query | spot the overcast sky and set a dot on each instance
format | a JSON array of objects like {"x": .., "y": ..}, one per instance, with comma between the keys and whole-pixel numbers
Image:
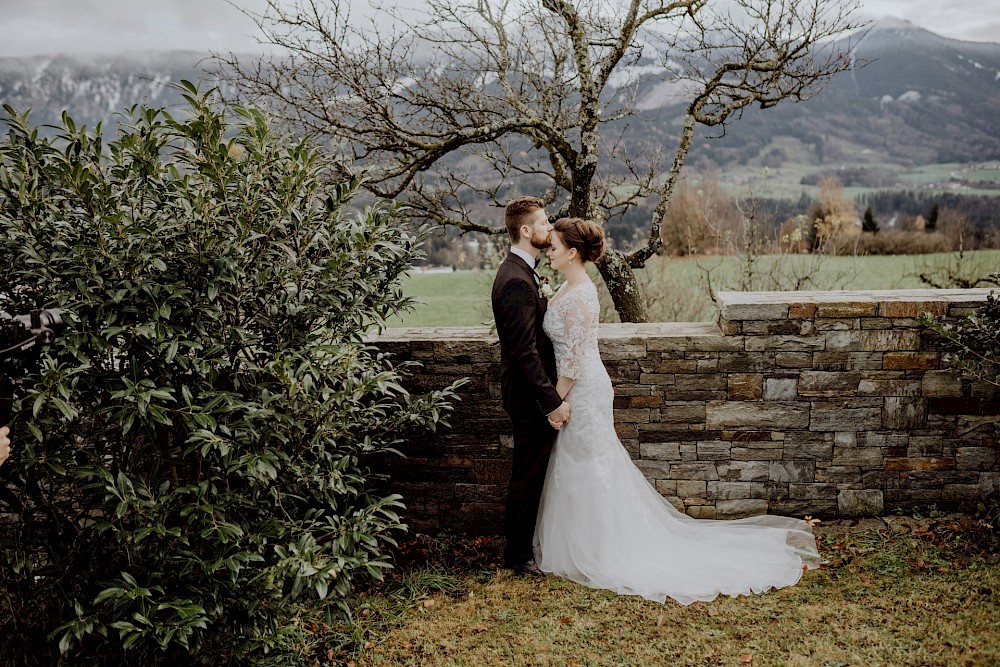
[{"x": 30, "y": 27}]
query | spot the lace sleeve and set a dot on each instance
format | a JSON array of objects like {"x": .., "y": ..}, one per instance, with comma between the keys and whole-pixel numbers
[{"x": 578, "y": 325}]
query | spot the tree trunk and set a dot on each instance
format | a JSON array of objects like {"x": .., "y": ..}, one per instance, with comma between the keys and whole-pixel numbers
[{"x": 621, "y": 283}]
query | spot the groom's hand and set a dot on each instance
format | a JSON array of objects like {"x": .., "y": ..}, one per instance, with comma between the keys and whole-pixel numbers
[{"x": 559, "y": 416}]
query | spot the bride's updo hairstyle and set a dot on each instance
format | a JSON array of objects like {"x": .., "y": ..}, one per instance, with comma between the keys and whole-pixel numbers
[{"x": 586, "y": 236}]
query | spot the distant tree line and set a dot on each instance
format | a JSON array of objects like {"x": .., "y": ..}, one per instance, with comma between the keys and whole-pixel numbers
[
  {"x": 703, "y": 219},
  {"x": 863, "y": 177},
  {"x": 982, "y": 212}
]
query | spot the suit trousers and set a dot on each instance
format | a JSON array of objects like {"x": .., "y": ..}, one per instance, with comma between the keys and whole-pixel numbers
[{"x": 533, "y": 441}]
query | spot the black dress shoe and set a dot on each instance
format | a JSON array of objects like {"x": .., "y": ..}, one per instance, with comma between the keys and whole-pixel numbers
[{"x": 528, "y": 568}]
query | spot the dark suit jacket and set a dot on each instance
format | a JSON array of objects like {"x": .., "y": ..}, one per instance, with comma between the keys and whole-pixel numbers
[{"x": 527, "y": 361}]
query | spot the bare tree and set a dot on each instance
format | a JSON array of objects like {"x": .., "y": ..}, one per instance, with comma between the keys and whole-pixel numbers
[{"x": 457, "y": 106}]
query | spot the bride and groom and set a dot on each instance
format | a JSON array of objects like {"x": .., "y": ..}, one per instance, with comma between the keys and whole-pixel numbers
[{"x": 577, "y": 507}]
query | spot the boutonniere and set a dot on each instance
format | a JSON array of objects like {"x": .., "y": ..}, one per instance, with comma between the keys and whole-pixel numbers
[{"x": 545, "y": 290}]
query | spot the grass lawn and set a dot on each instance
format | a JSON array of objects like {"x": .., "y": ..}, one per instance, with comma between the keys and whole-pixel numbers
[
  {"x": 461, "y": 298},
  {"x": 679, "y": 289},
  {"x": 898, "y": 591}
]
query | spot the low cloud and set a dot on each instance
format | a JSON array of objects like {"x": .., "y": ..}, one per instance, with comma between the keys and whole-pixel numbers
[
  {"x": 89, "y": 26},
  {"x": 31, "y": 27}
]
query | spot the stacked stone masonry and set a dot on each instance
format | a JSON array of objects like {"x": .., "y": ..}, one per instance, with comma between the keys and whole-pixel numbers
[{"x": 794, "y": 403}]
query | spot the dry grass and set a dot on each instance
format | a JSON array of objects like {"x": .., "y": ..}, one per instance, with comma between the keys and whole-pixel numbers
[{"x": 906, "y": 592}]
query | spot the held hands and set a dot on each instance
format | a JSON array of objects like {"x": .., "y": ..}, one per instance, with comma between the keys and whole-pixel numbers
[{"x": 559, "y": 416}]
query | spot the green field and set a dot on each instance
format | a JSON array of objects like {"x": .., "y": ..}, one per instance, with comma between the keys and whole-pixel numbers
[
  {"x": 457, "y": 299},
  {"x": 678, "y": 289},
  {"x": 785, "y": 182}
]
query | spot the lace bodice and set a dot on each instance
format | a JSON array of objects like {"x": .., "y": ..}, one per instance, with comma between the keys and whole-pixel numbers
[{"x": 571, "y": 324}]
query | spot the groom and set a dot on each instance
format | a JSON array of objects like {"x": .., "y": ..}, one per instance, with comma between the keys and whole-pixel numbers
[{"x": 527, "y": 375}]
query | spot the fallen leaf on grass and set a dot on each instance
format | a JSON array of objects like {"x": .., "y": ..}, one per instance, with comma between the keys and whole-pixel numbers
[
  {"x": 662, "y": 618},
  {"x": 479, "y": 628},
  {"x": 428, "y": 603},
  {"x": 713, "y": 612},
  {"x": 832, "y": 564},
  {"x": 405, "y": 644},
  {"x": 811, "y": 521},
  {"x": 564, "y": 621},
  {"x": 369, "y": 645},
  {"x": 746, "y": 659}
]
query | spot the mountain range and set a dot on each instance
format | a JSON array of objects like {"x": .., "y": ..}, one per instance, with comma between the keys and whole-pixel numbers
[
  {"x": 94, "y": 88},
  {"x": 919, "y": 98}
]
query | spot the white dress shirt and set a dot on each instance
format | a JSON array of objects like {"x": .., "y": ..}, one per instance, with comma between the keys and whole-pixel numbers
[{"x": 525, "y": 256}]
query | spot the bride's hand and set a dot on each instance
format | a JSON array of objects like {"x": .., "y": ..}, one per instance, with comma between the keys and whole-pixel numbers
[
  {"x": 559, "y": 416},
  {"x": 4, "y": 445}
]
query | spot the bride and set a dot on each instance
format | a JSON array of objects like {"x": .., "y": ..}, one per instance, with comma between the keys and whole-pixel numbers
[{"x": 601, "y": 523}]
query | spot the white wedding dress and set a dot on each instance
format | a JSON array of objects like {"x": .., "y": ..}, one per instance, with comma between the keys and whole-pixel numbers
[{"x": 602, "y": 524}]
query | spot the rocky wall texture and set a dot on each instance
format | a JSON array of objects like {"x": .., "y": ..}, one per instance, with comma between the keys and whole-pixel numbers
[{"x": 795, "y": 403}]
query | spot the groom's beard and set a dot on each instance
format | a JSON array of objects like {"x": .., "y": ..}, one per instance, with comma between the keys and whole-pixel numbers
[{"x": 541, "y": 242}]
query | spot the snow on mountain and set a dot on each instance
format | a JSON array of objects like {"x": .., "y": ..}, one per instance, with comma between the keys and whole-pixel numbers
[{"x": 914, "y": 97}]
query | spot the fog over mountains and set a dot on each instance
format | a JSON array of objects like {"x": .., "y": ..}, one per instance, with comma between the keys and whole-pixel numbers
[
  {"x": 94, "y": 88},
  {"x": 921, "y": 98}
]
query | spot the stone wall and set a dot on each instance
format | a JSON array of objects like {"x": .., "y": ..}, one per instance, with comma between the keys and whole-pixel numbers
[{"x": 795, "y": 403}]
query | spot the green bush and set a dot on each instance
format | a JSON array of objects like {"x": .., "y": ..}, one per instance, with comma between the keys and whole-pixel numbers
[
  {"x": 896, "y": 243},
  {"x": 972, "y": 344},
  {"x": 188, "y": 482}
]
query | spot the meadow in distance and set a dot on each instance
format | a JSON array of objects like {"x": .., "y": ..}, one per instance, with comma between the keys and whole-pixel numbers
[{"x": 461, "y": 298}]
